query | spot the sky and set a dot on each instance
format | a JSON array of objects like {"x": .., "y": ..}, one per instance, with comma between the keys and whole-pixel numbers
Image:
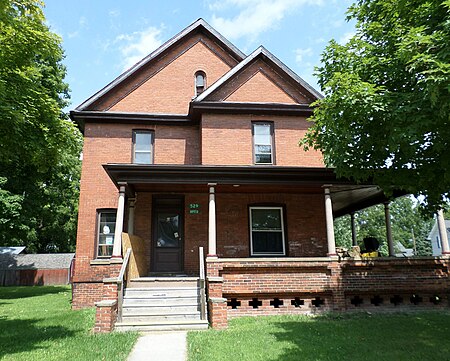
[{"x": 103, "y": 38}]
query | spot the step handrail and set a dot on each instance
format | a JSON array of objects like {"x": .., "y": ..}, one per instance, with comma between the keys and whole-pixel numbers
[
  {"x": 202, "y": 284},
  {"x": 120, "y": 284}
]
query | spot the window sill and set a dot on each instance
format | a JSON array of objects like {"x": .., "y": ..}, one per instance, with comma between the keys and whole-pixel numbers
[{"x": 106, "y": 261}]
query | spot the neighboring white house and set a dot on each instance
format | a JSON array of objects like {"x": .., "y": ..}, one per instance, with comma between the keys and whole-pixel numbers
[{"x": 435, "y": 239}]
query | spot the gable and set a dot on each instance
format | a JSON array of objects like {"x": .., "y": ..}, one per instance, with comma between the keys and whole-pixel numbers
[
  {"x": 217, "y": 52},
  {"x": 244, "y": 86},
  {"x": 260, "y": 89},
  {"x": 170, "y": 90}
]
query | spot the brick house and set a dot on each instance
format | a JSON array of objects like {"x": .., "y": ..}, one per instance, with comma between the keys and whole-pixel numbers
[{"x": 196, "y": 146}]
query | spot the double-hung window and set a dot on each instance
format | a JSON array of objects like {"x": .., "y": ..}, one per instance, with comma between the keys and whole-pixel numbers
[
  {"x": 105, "y": 232},
  {"x": 143, "y": 141},
  {"x": 263, "y": 143},
  {"x": 267, "y": 231}
]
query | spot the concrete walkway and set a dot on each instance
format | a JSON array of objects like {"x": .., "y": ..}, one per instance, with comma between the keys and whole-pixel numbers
[{"x": 160, "y": 346}]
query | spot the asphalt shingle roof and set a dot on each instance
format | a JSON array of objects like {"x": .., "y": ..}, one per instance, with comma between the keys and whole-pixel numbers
[{"x": 35, "y": 261}]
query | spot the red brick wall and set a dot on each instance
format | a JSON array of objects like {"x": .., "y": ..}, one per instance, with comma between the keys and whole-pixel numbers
[
  {"x": 85, "y": 294},
  {"x": 260, "y": 89},
  {"x": 305, "y": 224},
  {"x": 337, "y": 284},
  {"x": 227, "y": 140},
  {"x": 112, "y": 143},
  {"x": 174, "y": 82},
  {"x": 105, "y": 317},
  {"x": 173, "y": 75},
  {"x": 244, "y": 86}
]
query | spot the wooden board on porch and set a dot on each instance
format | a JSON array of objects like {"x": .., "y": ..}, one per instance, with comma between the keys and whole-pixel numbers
[{"x": 138, "y": 264}]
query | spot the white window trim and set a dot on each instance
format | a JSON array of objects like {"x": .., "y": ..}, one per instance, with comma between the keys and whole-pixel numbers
[
  {"x": 282, "y": 233},
  {"x": 272, "y": 141},
  {"x": 99, "y": 216},
  {"x": 150, "y": 151}
]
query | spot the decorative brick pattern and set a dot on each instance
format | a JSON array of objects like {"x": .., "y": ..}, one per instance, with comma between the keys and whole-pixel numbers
[{"x": 271, "y": 287}]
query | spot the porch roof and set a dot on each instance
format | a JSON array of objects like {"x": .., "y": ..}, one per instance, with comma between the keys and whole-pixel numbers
[{"x": 347, "y": 196}]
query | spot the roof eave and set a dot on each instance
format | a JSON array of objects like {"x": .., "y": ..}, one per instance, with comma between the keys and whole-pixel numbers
[{"x": 197, "y": 108}]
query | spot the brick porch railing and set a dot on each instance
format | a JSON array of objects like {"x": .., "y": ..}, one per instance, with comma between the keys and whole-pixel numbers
[{"x": 266, "y": 286}]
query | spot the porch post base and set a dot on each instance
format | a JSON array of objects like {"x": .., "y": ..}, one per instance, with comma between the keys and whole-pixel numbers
[
  {"x": 218, "y": 313},
  {"x": 105, "y": 316}
]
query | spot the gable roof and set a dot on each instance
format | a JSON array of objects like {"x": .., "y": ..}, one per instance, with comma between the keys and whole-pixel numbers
[
  {"x": 198, "y": 24},
  {"x": 259, "y": 52}
]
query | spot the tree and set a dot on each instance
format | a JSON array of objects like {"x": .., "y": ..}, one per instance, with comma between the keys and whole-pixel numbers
[
  {"x": 385, "y": 116},
  {"x": 39, "y": 146},
  {"x": 410, "y": 227}
]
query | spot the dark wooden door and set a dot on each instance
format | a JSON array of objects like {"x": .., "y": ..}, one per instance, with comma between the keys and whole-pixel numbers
[{"x": 167, "y": 244}]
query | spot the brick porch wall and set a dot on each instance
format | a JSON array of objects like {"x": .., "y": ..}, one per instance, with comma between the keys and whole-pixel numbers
[
  {"x": 293, "y": 286},
  {"x": 88, "y": 290}
]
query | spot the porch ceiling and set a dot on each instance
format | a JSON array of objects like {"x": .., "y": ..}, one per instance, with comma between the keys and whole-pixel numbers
[{"x": 346, "y": 195}]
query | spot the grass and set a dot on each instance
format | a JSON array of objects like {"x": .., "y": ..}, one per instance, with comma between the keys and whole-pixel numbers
[
  {"x": 417, "y": 336},
  {"x": 37, "y": 323}
]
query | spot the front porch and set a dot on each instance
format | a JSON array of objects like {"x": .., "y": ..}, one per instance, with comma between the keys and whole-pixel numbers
[{"x": 286, "y": 263}]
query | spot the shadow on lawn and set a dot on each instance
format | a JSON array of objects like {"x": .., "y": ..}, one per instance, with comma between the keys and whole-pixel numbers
[
  {"x": 9, "y": 293},
  {"x": 358, "y": 337},
  {"x": 24, "y": 335}
]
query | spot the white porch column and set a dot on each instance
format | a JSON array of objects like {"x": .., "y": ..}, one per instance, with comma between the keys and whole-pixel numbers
[
  {"x": 352, "y": 219},
  {"x": 329, "y": 222},
  {"x": 212, "y": 252},
  {"x": 443, "y": 232},
  {"x": 131, "y": 216},
  {"x": 117, "y": 248},
  {"x": 387, "y": 217}
]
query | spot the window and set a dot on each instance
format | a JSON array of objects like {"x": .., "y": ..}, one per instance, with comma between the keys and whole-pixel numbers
[
  {"x": 200, "y": 82},
  {"x": 106, "y": 228},
  {"x": 143, "y": 146},
  {"x": 438, "y": 242},
  {"x": 263, "y": 143},
  {"x": 266, "y": 231}
]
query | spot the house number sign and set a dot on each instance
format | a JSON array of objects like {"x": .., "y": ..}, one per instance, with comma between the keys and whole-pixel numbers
[{"x": 194, "y": 208}]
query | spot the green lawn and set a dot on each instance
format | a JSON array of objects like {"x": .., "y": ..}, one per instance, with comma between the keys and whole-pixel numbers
[
  {"x": 37, "y": 323},
  {"x": 394, "y": 337}
]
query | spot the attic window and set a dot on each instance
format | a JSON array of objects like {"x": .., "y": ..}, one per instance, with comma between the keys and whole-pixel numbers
[{"x": 200, "y": 82}]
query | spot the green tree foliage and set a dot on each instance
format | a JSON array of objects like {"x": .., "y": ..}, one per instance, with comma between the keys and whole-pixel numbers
[
  {"x": 39, "y": 146},
  {"x": 386, "y": 111},
  {"x": 409, "y": 226}
]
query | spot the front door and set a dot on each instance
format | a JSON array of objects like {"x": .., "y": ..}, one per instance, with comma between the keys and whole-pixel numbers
[{"x": 167, "y": 243}]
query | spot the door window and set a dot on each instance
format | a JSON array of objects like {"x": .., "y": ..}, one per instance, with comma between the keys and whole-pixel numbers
[{"x": 168, "y": 230}]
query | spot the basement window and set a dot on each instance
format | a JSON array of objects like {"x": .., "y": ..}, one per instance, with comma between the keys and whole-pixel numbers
[{"x": 267, "y": 231}]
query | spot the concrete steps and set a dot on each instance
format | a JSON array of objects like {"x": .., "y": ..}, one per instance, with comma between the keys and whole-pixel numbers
[
  {"x": 162, "y": 326},
  {"x": 161, "y": 303}
]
